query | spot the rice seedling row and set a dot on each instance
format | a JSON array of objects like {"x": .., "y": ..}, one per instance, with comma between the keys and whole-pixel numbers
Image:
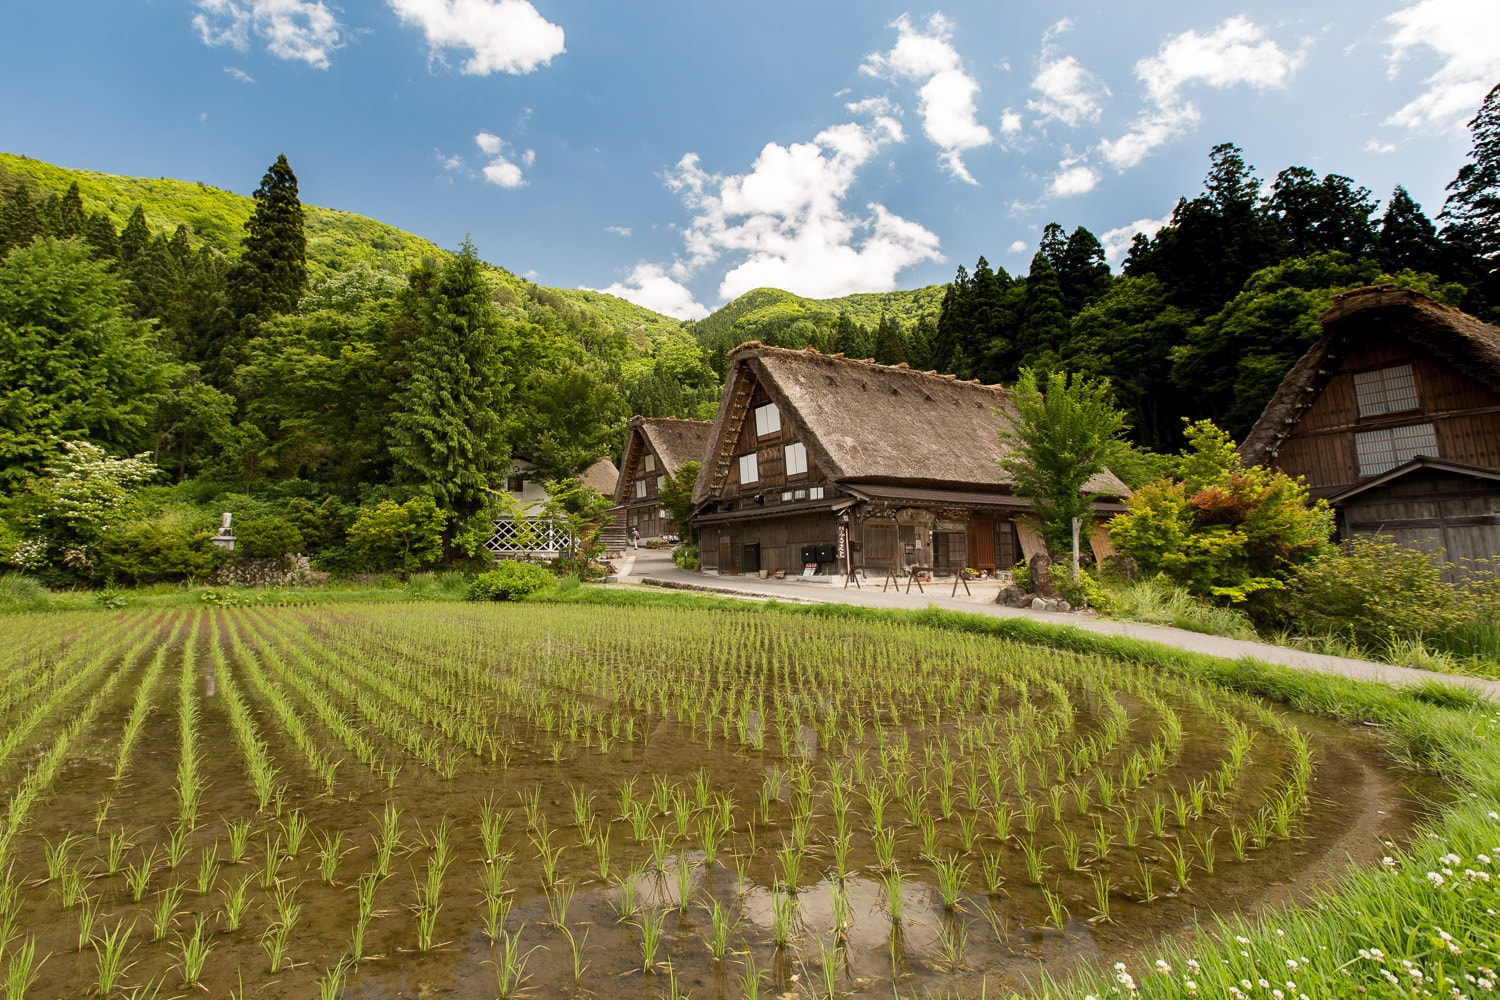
[{"x": 654, "y": 801}]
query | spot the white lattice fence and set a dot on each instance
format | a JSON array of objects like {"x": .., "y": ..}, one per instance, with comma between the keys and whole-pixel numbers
[{"x": 529, "y": 535}]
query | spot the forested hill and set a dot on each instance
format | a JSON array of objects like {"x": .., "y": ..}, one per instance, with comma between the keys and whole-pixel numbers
[
  {"x": 854, "y": 324},
  {"x": 337, "y": 242}
]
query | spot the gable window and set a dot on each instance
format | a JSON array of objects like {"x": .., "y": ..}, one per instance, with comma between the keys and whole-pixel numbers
[
  {"x": 661, "y": 483},
  {"x": 767, "y": 420},
  {"x": 1385, "y": 390},
  {"x": 749, "y": 469},
  {"x": 1383, "y": 450},
  {"x": 515, "y": 483},
  {"x": 650, "y": 463},
  {"x": 640, "y": 487},
  {"x": 796, "y": 459}
]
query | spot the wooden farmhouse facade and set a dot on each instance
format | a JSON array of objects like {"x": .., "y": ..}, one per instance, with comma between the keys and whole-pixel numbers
[
  {"x": 821, "y": 461},
  {"x": 656, "y": 448},
  {"x": 1394, "y": 417}
]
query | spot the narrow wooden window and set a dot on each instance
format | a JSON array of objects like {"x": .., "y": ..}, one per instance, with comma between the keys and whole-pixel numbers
[
  {"x": 767, "y": 420},
  {"x": 1382, "y": 450},
  {"x": 749, "y": 469},
  {"x": 796, "y": 459},
  {"x": 1386, "y": 390}
]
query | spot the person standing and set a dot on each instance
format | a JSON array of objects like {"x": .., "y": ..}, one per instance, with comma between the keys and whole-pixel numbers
[{"x": 635, "y": 537}]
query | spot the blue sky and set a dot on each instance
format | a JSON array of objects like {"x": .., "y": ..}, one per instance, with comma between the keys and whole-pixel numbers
[{"x": 681, "y": 153}]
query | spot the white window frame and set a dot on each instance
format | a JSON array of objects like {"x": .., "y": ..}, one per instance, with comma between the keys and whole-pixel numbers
[
  {"x": 767, "y": 420},
  {"x": 650, "y": 463},
  {"x": 640, "y": 488},
  {"x": 796, "y": 458},
  {"x": 661, "y": 482},
  {"x": 1392, "y": 389},
  {"x": 816, "y": 493},
  {"x": 1381, "y": 450},
  {"x": 749, "y": 469}
]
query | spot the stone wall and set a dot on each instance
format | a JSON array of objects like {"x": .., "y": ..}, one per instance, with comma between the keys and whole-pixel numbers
[{"x": 291, "y": 571}]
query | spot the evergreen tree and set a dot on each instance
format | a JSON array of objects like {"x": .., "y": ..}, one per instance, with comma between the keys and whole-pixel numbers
[
  {"x": 1054, "y": 245},
  {"x": 1472, "y": 211},
  {"x": 1320, "y": 215},
  {"x": 1084, "y": 273},
  {"x": 952, "y": 324},
  {"x": 99, "y": 233},
  {"x": 66, "y": 217},
  {"x": 890, "y": 346},
  {"x": 135, "y": 236},
  {"x": 919, "y": 345},
  {"x": 271, "y": 275},
  {"x": 1408, "y": 239},
  {"x": 454, "y": 380},
  {"x": 20, "y": 219},
  {"x": 1215, "y": 241},
  {"x": 1044, "y": 326}
]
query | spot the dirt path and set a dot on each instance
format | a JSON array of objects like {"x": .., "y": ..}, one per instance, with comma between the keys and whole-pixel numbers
[{"x": 655, "y": 567}]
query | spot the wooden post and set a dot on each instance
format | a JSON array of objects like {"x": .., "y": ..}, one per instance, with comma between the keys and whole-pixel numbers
[{"x": 1076, "y": 524}]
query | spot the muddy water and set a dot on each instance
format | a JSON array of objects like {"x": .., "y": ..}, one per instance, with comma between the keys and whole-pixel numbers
[{"x": 830, "y": 927}]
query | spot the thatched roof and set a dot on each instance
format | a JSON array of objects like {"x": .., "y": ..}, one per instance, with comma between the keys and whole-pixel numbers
[
  {"x": 674, "y": 441},
  {"x": 602, "y": 476},
  {"x": 1467, "y": 344},
  {"x": 870, "y": 423}
]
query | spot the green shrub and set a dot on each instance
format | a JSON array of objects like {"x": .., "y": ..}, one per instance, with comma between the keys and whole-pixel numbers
[
  {"x": 267, "y": 538},
  {"x": 510, "y": 581},
  {"x": 1381, "y": 596},
  {"x": 686, "y": 556},
  {"x": 404, "y": 537},
  {"x": 140, "y": 552}
]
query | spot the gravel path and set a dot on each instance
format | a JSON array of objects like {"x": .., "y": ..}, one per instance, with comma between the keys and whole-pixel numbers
[{"x": 655, "y": 567}]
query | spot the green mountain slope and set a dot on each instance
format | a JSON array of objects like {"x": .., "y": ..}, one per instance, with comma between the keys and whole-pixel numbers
[
  {"x": 773, "y": 316},
  {"x": 337, "y": 242}
]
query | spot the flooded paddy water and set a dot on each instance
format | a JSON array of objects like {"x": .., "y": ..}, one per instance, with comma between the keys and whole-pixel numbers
[{"x": 487, "y": 801}]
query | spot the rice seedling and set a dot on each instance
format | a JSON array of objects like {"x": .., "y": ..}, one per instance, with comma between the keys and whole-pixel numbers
[
  {"x": 576, "y": 948},
  {"x": 953, "y": 938},
  {"x": 1057, "y": 913},
  {"x": 330, "y": 853},
  {"x": 927, "y": 830},
  {"x": 492, "y": 823},
  {"x": 165, "y": 911},
  {"x": 751, "y": 978},
  {"x": 239, "y": 839},
  {"x": 1036, "y": 861},
  {"x": 1102, "y": 886},
  {"x": 1239, "y": 839},
  {"x": 294, "y": 830},
  {"x": 177, "y": 846},
  {"x": 22, "y": 970},
  {"x": 192, "y": 953},
  {"x": 990, "y": 868},
  {"x": 331, "y": 982},
  {"x": 275, "y": 941},
  {"x": 208, "y": 869},
  {"x": 783, "y": 916},
  {"x": 138, "y": 876},
  {"x": 496, "y": 898},
  {"x": 1205, "y": 848},
  {"x": 720, "y": 929},
  {"x": 235, "y": 902},
  {"x": 114, "y": 854},
  {"x": 1072, "y": 848},
  {"x": 629, "y": 886},
  {"x": 1146, "y": 877},
  {"x": 559, "y": 899},
  {"x": 650, "y": 926},
  {"x": 88, "y": 914},
  {"x": 112, "y": 958},
  {"x": 682, "y": 873},
  {"x": 950, "y": 878}
]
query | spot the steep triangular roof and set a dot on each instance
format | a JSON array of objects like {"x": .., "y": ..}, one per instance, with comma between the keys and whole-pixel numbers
[
  {"x": 674, "y": 441},
  {"x": 602, "y": 476},
  {"x": 1467, "y": 344},
  {"x": 864, "y": 422}
]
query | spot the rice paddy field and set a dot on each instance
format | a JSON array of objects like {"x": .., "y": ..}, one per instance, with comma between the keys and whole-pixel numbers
[{"x": 499, "y": 800}]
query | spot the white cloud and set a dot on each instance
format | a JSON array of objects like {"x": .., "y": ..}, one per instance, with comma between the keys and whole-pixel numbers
[
  {"x": 1236, "y": 52},
  {"x": 1010, "y": 122},
  {"x": 501, "y": 169},
  {"x": 1072, "y": 179},
  {"x": 1116, "y": 242},
  {"x": 785, "y": 225},
  {"x": 239, "y": 74},
  {"x": 650, "y": 286},
  {"x": 1377, "y": 147},
  {"x": 947, "y": 93},
  {"x": 504, "y": 36},
  {"x": 1465, "y": 34},
  {"x": 1070, "y": 93},
  {"x": 618, "y": 230},
  {"x": 291, "y": 29},
  {"x": 454, "y": 162},
  {"x": 1019, "y": 246}
]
